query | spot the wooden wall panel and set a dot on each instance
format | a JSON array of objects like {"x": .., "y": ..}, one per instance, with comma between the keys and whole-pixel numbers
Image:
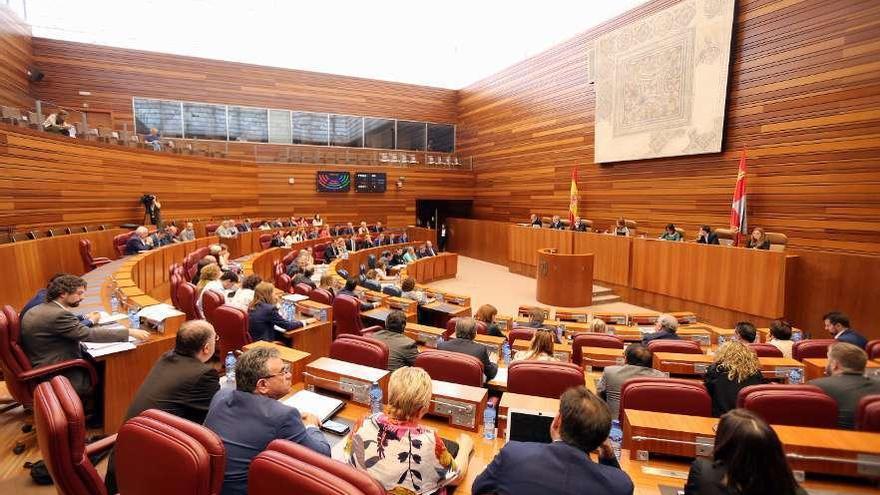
[
  {"x": 15, "y": 57},
  {"x": 481, "y": 239},
  {"x": 803, "y": 98}
]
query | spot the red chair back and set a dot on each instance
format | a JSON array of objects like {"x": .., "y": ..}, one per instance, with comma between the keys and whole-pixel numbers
[
  {"x": 318, "y": 252},
  {"x": 741, "y": 396},
  {"x": 282, "y": 282},
  {"x": 452, "y": 367},
  {"x": 785, "y": 407},
  {"x": 85, "y": 252},
  {"x": 231, "y": 325},
  {"x": 873, "y": 349},
  {"x": 482, "y": 328},
  {"x": 13, "y": 359},
  {"x": 542, "y": 378},
  {"x": 186, "y": 297},
  {"x": 365, "y": 351},
  {"x": 61, "y": 432},
  {"x": 582, "y": 340},
  {"x": 322, "y": 296},
  {"x": 678, "y": 346},
  {"x": 119, "y": 242},
  {"x": 520, "y": 333},
  {"x": 210, "y": 302},
  {"x": 868, "y": 413},
  {"x": 346, "y": 316},
  {"x": 175, "y": 282},
  {"x": 766, "y": 350},
  {"x": 287, "y": 466},
  {"x": 302, "y": 288},
  {"x": 158, "y": 452},
  {"x": 811, "y": 348},
  {"x": 668, "y": 395},
  {"x": 211, "y": 228}
]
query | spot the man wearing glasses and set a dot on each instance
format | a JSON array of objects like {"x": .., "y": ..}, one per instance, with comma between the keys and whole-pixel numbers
[{"x": 250, "y": 416}]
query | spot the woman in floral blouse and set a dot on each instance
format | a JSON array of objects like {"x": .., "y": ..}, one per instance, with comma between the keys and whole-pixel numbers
[{"x": 405, "y": 457}]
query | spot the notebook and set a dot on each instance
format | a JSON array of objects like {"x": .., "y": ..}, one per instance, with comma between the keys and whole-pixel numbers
[{"x": 320, "y": 405}]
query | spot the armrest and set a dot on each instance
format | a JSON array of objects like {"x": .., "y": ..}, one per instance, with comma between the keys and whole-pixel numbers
[
  {"x": 101, "y": 445},
  {"x": 369, "y": 330},
  {"x": 42, "y": 371},
  {"x": 101, "y": 259}
]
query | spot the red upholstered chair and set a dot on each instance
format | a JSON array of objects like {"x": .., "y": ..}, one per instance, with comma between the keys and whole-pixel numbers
[
  {"x": 318, "y": 253},
  {"x": 452, "y": 367},
  {"x": 186, "y": 297},
  {"x": 282, "y": 282},
  {"x": 286, "y": 467},
  {"x": 302, "y": 288},
  {"x": 679, "y": 346},
  {"x": 520, "y": 333},
  {"x": 211, "y": 228},
  {"x": 582, "y": 340},
  {"x": 868, "y": 413},
  {"x": 157, "y": 452},
  {"x": 85, "y": 252},
  {"x": 21, "y": 378},
  {"x": 542, "y": 378},
  {"x": 668, "y": 395},
  {"x": 265, "y": 241},
  {"x": 322, "y": 296},
  {"x": 791, "y": 388},
  {"x": 119, "y": 242},
  {"x": 288, "y": 258},
  {"x": 365, "y": 351},
  {"x": 482, "y": 328},
  {"x": 766, "y": 350},
  {"x": 175, "y": 282},
  {"x": 873, "y": 349},
  {"x": 210, "y": 302},
  {"x": 347, "y": 317},
  {"x": 61, "y": 434},
  {"x": 811, "y": 348},
  {"x": 231, "y": 325},
  {"x": 785, "y": 407}
]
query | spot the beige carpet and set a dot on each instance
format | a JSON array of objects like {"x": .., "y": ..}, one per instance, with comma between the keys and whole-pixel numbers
[{"x": 487, "y": 283}]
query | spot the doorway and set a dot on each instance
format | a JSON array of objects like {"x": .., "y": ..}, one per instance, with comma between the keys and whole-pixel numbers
[{"x": 431, "y": 211}]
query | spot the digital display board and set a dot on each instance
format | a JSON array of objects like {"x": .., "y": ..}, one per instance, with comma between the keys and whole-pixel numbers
[
  {"x": 370, "y": 182},
  {"x": 333, "y": 181}
]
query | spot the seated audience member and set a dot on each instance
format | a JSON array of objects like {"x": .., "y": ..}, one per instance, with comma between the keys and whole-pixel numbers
[
  {"x": 535, "y": 222},
  {"x": 598, "y": 325},
  {"x": 382, "y": 271},
  {"x": 166, "y": 236},
  {"x": 745, "y": 332},
  {"x": 398, "y": 259},
  {"x": 367, "y": 242},
  {"x": 181, "y": 382},
  {"x": 205, "y": 261},
  {"x": 665, "y": 328},
  {"x": 263, "y": 315},
  {"x": 408, "y": 291},
  {"x": 39, "y": 297},
  {"x": 351, "y": 244},
  {"x": 379, "y": 227},
  {"x": 243, "y": 296},
  {"x": 402, "y": 238},
  {"x": 51, "y": 333},
  {"x": 747, "y": 458},
  {"x": 265, "y": 226},
  {"x": 536, "y": 318},
  {"x": 277, "y": 239},
  {"x": 427, "y": 250},
  {"x": 305, "y": 277},
  {"x": 780, "y": 337},
  {"x": 363, "y": 229},
  {"x": 347, "y": 230},
  {"x": 381, "y": 240},
  {"x": 324, "y": 232},
  {"x": 638, "y": 364},
  {"x": 249, "y": 416},
  {"x": 486, "y": 313},
  {"x": 227, "y": 230},
  {"x": 579, "y": 225},
  {"x": 562, "y": 467},
  {"x": 402, "y": 350},
  {"x": 837, "y": 325},
  {"x": 465, "y": 332},
  {"x": 139, "y": 241},
  {"x": 404, "y": 456},
  {"x": 223, "y": 257},
  {"x": 735, "y": 367},
  {"x": 372, "y": 281},
  {"x": 670, "y": 234},
  {"x": 758, "y": 239},
  {"x": 846, "y": 382},
  {"x": 154, "y": 139},
  {"x": 293, "y": 269},
  {"x": 57, "y": 122},
  {"x": 556, "y": 223},
  {"x": 244, "y": 226},
  {"x": 276, "y": 224},
  {"x": 706, "y": 236},
  {"x": 328, "y": 283},
  {"x": 209, "y": 280},
  {"x": 350, "y": 285},
  {"x": 620, "y": 228},
  {"x": 317, "y": 221},
  {"x": 541, "y": 348},
  {"x": 188, "y": 233}
]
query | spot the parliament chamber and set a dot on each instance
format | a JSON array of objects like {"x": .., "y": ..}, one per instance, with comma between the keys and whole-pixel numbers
[{"x": 624, "y": 245}]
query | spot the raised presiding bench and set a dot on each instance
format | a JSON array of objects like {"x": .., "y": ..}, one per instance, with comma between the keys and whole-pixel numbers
[
  {"x": 785, "y": 369},
  {"x": 346, "y": 378},
  {"x": 812, "y": 450},
  {"x": 815, "y": 368},
  {"x": 462, "y": 405},
  {"x": 295, "y": 358}
]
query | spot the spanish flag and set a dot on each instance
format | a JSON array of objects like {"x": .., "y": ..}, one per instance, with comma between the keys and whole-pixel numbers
[
  {"x": 738, "y": 221},
  {"x": 573, "y": 196}
]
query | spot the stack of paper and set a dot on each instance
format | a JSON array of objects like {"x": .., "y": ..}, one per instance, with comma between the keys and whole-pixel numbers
[
  {"x": 107, "y": 318},
  {"x": 159, "y": 312},
  {"x": 98, "y": 349},
  {"x": 294, "y": 297},
  {"x": 309, "y": 402}
]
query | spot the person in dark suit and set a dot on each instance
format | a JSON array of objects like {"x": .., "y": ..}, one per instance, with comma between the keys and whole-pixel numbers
[
  {"x": 442, "y": 237},
  {"x": 735, "y": 367},
  {"x": 564, "y": 466},
  {"x": 40, "y": 297},
  {"x": 51, "y": 333},
  {"x": 263, "y": 315},
  {"x": 846, "y": 382},
  {"x": 347, "y": 230},
  {"x": 837, "y": 325},
  {"x": 181, "y": 382},
  {"x": 465, "y": 331},
  {"x": 556, "y": 223},
  {"x": 428, "y": 251},
  {"x": 665, "y": 328},
  {"x": 305, "y": 277},
  {"x": 747, "y": 458},
  {"x": 351, "y": 244},
  {"x": 139, "y": 241},
  {"x": 402, "y": 350},
  {"x": 534, "y": 221},
  {"x": 249, "y": 416},
  {"x": 706, "y": 236},
  {"x": 579, "y": 225},
  {"x": 372, "y": 281},
  {"x": 350, "y": 285}
]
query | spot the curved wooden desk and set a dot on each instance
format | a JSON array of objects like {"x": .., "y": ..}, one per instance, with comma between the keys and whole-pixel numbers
[{"x": 564, "y": 279}]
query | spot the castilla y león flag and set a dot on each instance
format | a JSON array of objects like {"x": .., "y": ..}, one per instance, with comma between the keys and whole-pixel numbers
[
  {"x": 738, "y": 221},
  {"x": 573, "y": 196}
]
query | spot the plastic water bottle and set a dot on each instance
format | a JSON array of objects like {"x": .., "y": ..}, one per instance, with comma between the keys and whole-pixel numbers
[
  {"x": 505, "y": 353},
  {"x": 795, "y": 377},
  {"x": 375, "y": 398},
  {"x": 721, "y": 340},
  {"x": 489, "y": 422},
  {"x": 133, "y": 320},
  {"x": 560, "y": 331},
  {"x": 796, "y": 336},
  {"x": 616, "y": 437},
  {"x": 114, "y": 303},
  {"x": 230, "y": 367}
]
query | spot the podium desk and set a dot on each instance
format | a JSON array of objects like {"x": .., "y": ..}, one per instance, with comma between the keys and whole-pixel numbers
[
  {"x": 600, "y": 357},
  {"x": 562, "y": 352},
  {"x": 314, "y": 338},
  {"x": 812, "y": 450},
  {"x": 815, "y": 368},
  {"x": 295, "y": 358},
  {"x": 564, "y": 279},
  {"x": 353, "y": 380},
  {"x": 695, "y": 364}
]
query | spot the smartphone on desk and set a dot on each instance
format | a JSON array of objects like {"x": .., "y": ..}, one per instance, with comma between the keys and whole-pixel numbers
[{"x": 334, "y": 427}]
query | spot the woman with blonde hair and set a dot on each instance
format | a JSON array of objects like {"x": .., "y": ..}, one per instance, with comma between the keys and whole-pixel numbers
[
  {"x": 398, "y": 452},
  {"x": 758, "y": 239},
  {"x": 541, "y": 348},
  {"x": 486, "y": 314},
  {"x": 263, "y": 315},
  {"x": 597, "y": 325},
  {"x": 209, "y": 280},
  {"x": 735, "y": 367}
]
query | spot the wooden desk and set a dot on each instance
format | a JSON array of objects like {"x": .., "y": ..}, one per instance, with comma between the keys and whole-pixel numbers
[
  {"x": 408, "y": 306},
  {"x": 296, "y": 358},
  {"x": 572, "y": 316},
  {"x": 444, "y": 311},
  {"x": 600, "y": 357},
  {"x": 561, "y": 351},
  {"x": 461, "y": 405},
  {"x": 814, "y": 450},
  {"x": 696, "y": 364},
  {"x": 452, "y": 298},
  {"x": 442, "y": 266},
  {"x": 524, "y": 243},
  {"x": 815, "y": 368},
  {"x": 564, "y": 279},
  {"x": 353, "y": 380},
  {"x": 377, "y": 316},
  {"x": 314, "y": 339},
  {"x": 519, "y": 401}
]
